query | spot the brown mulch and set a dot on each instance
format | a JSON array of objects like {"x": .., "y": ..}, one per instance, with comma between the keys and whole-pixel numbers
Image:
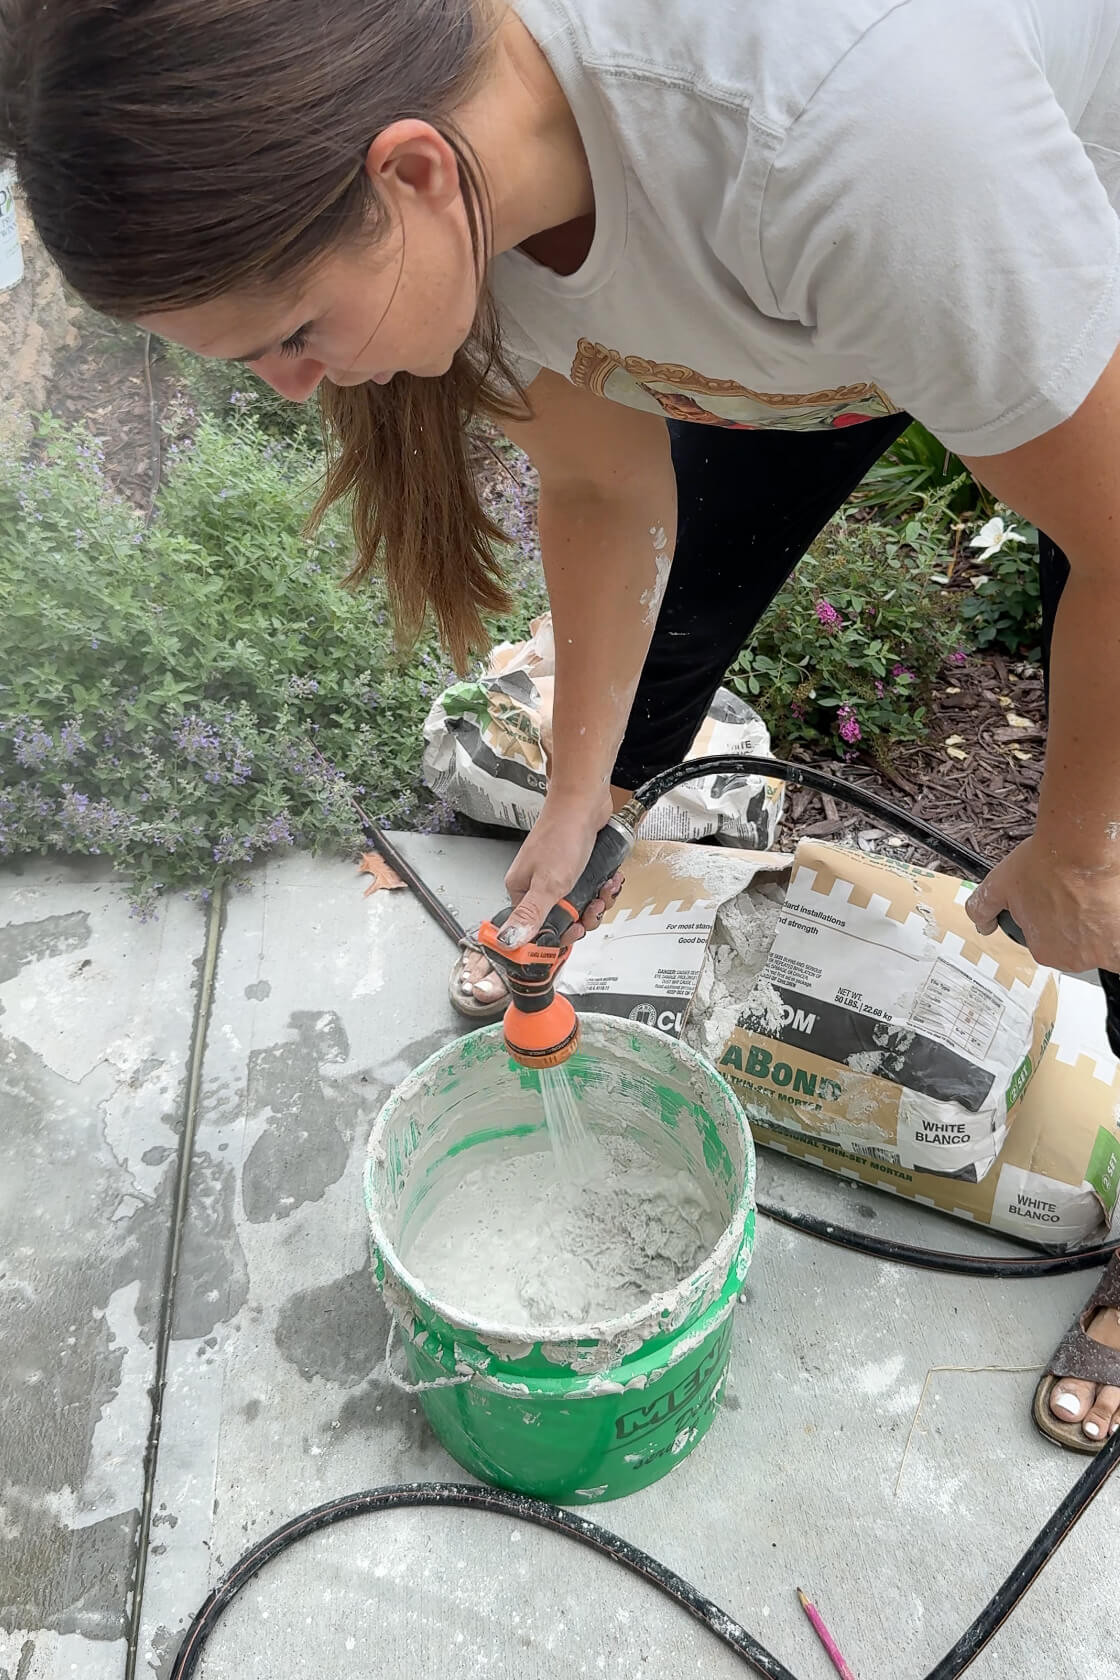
[{"x": 976, "y": 776}]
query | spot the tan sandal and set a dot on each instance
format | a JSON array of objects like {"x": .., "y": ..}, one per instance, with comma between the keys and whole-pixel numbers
[
  {"x": 1081, "y": 1358},
  {"x": 464, "y": 1002}
]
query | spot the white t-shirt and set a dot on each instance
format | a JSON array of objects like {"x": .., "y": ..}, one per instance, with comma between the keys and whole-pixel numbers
[{"x": 812, "y": 212}]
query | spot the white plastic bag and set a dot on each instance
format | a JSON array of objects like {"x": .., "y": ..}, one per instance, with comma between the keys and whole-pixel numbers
[{"x": 489, "y": 744}]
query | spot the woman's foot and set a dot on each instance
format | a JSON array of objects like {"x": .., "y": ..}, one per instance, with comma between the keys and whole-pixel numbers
[
  {"x": 477, "y": 990},
  {"x": 1095, "y": 1407}
]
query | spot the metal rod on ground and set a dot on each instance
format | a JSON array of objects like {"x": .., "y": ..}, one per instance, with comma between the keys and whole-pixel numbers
[
  {"x": 433, "y": 905},
  {"x": 156, "y": 432}
]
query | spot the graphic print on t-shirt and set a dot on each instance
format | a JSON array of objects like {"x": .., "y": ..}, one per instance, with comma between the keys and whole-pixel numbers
[{"x": 683, "y": 394}]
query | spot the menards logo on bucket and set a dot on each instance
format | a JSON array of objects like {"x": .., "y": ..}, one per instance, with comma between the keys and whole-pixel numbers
[{"x": 683, "y": 1402}]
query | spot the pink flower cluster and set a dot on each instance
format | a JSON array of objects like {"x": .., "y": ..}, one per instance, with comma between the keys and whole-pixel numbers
[
  {"x": 828, "y": 615},
  {"x": 849, "y": 728}
]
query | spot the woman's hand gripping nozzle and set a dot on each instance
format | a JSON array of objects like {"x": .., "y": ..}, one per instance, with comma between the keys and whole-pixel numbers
[{"x": 541, "y": 1029}]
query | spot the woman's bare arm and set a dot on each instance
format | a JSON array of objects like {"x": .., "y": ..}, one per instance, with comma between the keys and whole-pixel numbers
[{"x": 608, "y": 528}]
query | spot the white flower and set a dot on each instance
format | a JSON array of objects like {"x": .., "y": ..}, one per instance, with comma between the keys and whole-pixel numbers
[{"x": 992, "y": 538}]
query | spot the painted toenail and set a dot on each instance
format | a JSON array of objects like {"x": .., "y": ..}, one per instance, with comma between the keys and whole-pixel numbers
[
  {"x": 1092, "y": 1430},
  {"x": 1113, "y": 1428},
  {"x": 1068, "y": 1403}
]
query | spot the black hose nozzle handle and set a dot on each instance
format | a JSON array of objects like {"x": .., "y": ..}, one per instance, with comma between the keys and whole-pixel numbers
[
  {"x": 615, "y": 839},
  {"x": 1011, "y": 928},
  {"x": 612, "y": 847}
]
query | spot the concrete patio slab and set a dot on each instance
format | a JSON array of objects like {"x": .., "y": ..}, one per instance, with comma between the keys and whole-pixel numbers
[
  {"x": 96, "y": 1013},
  {"x": 875, "y": 1448}
]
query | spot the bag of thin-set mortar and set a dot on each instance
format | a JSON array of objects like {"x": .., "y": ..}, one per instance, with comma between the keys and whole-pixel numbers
[
  {"x": 873, "y": 1018},
  {"x": 489, "y": 743},
  {"x": 1057, "y": 1179},
  {"x": 648, "y": 958},
  {"x": 690, "y": 918},
  {"x": 848, "y": 1001}
]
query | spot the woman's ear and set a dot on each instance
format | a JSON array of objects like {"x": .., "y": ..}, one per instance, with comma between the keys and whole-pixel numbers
[{"x": 411, "y": 157}]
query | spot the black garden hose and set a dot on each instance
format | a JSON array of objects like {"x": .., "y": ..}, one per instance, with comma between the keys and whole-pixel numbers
[
  {"x": 965, "y": 861},
  {"x": 515, "y": 1506}
]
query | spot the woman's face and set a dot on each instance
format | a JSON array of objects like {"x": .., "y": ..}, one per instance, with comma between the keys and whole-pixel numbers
[{"x": 405, "y": 304}]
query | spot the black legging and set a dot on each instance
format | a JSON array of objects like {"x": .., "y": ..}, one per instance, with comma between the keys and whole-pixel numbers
[{"x": 749, "y": 504}]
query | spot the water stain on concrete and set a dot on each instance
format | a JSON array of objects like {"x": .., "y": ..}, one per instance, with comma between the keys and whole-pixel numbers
[
  {"x": 379, "y": 1409},
  {"x": 394, "y": 1423},
  {"x": 146, "y": 1070},
  {"x": 84, "y": 1231},
  {"x": 363, "y": 1412},
  {"x": 213, "y": 1275},
  {"x": 258, "y": 991},
  {"x": 410, "y": 1057},
  {"x": 23, "y": 1668},
  {"x": 63, "y": 1262},
  {"x": 67, "y": 1580},
  {"x": 309, "y": 1119},
  {"x": 25, "y": 942},
  {"x": 163, "y": 1647},
  {"x": 336, "y": 1331},
  {"x": 222, "y": 1102}
]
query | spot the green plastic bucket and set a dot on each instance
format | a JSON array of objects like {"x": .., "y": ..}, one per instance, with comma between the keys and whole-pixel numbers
[{"x": 572, "y": 1413}]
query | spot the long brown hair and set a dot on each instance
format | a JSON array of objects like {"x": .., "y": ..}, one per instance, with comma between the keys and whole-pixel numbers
[{"x": 175, "y": 150}]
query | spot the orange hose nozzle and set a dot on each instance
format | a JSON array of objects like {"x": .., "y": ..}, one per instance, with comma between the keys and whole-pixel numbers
[{"x": 541, "y": 1038}]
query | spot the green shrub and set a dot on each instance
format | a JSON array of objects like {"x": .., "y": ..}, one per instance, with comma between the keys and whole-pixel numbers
[
  {"x": 846, "y": 653},
  {"x": 1003, "y": 609},
  {"x": 166, "y": 692},
  {"x": 225, "y": 391},
  {"x": 918, "y": 472}
]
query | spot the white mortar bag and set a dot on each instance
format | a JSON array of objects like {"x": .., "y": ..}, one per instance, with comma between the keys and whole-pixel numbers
[
  {"x": 881, "y": 1025},
  {"x": 11, "y": 255},
  {"x": 726, "y": 939},
  {"x": 1056, "y": 1181},
  {"x": 488, "y": 746}
]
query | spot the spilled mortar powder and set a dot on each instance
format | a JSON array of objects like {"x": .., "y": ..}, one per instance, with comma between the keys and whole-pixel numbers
[
  {"x": 731, "y": 991},
  {"x": 514, "y": 1245}
]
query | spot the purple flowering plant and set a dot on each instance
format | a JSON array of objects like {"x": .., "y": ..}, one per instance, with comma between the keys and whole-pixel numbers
[{"x": 161, "y": 685}]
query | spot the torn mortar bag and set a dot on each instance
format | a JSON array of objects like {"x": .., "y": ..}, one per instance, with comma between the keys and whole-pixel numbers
[
  {"x": 1056, "y": 1180},
  {"x": 883, "y": 1024},
  {"x": 851, "y": 1002},
  {"x": 488, "y": 746},
  {"x": 647, "y": 958},
  {"x": 691, "y": 917}
]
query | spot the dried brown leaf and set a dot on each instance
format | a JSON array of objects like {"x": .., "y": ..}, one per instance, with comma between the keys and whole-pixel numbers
[{"x": 385, "y": 877}]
